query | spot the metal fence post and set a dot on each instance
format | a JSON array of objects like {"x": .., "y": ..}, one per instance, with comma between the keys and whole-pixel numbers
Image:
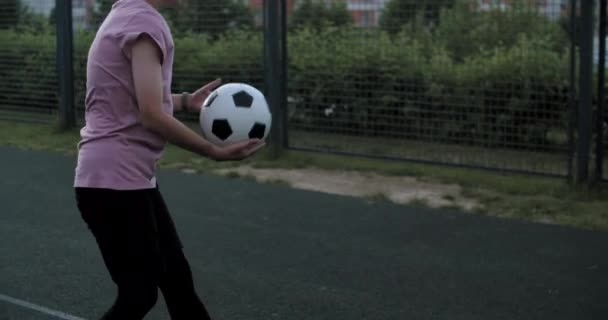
[
  {"x": 584, "y": 125},
  {"x": 284, "y": 76},
  {"x": 272, "y": 68},
  {"x": 65, "y": 69},
  {"x": 572, "y": 103},
  {"x": 599, "y": 121}
]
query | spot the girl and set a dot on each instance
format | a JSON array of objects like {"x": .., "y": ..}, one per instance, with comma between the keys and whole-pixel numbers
[{"x": 129, "y": 119}]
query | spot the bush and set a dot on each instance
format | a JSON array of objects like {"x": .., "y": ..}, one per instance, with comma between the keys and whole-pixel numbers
[
  {"x": 235, "y": 57},
  {"x": 28, "y": 71},
  {"x": 318, "y": 14},
  {"x": 400, "y": 87},
  {"x": 424, "y": 85},
  {"x": 467, "y": 32},
  {"x": 399, "y": 13}
]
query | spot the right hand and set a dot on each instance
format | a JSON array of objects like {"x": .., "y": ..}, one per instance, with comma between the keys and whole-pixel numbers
[{"x": 237, "y": 151}]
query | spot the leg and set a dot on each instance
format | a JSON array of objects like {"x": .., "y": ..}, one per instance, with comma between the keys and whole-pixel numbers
[
  {"x": 177, "y": 287},
  {"x": 176, "y": 281},
  {"x": 125, "y": 230}
]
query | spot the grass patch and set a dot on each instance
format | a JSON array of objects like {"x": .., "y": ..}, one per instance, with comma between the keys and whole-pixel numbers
[
  {"x": 38, "y": 137},
  {"x": 576, "y": 208},
  {"x": 509, "y": 184},
  {"x": 547, "y": 200}
]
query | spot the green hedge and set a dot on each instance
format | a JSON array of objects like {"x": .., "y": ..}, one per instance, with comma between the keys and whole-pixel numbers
[
  {"x": 406, "y": 86},
  {"x": 402, "y": 87},
  {"x": 27, "y": 73}
]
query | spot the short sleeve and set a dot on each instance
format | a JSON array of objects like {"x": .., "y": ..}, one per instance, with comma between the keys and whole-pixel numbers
[{"x": 139, "y": 26}]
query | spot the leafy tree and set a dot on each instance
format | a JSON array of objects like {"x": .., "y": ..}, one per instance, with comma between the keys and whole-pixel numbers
[
  {"x": 211, "y": 17},
  {"x": 402, "y": 12},
  {"x": 102, "y": 10},
  {"x": 16, "y": 15},
  {"x": 196, "y": 16},
  {"x": 465, "y": 31},
  {"x": 317, "y": 14}
]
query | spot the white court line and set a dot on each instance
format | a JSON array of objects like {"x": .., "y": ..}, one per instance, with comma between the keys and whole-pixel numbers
[{"x": 32, "y": 306}]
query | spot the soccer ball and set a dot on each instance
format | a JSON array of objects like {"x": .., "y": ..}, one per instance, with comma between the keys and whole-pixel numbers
[{"x": 235, "y": 112}]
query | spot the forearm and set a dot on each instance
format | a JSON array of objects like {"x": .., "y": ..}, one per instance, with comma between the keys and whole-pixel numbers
[
  {"x": 147, "y": 76},
  {"x": 179, "y": 134}
]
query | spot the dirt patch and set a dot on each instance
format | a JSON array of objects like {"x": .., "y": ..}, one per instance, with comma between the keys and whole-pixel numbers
[{"x": 403, "y": 190}]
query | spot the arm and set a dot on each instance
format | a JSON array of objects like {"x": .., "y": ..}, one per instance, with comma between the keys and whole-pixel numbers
[{"x": 146, "y": 64}]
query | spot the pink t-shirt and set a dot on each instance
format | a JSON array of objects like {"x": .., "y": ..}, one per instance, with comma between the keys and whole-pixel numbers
[{"x": 116, "y": 151}]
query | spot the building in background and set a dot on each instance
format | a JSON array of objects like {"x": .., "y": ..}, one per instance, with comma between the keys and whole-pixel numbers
[
  {"x": 43, "y": 7},
  {"x": 553, "y": 9},
  {"x": 366, "y": 13},
  {"x": 83, "y": 13}
]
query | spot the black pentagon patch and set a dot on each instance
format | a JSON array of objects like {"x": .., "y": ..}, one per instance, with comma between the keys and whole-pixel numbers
[
  {"x": 242, "y": 99},
  {"x": 257, "y": 131},
  {"x": 210, "y": 100},
  {"x": 221, "y": 129}
]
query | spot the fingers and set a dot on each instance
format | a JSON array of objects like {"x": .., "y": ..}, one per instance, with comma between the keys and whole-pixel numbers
[
  {"x": 255, "y": 148},
  {"x": 211, "y": 85},
  {"x": 239, "y": 150},
  {"x": 245, "y": 144},
  {"x": 252, "y": 142},
  {"x": 247, "y": 148}
]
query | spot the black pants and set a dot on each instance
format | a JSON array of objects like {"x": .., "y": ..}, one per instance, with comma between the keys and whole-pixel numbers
[{"x": 142, "y": 252}]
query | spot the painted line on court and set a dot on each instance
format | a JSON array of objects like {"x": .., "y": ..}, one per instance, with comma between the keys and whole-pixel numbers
[{"x": 41, "y": 309}]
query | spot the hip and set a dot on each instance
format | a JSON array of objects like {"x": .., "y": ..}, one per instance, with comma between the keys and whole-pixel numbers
[{"x": 101, "y": 165}]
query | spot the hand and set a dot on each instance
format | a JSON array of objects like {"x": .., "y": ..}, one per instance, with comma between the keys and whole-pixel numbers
[
  {"x": 237, "y": 151},
  {"x": 196, "y": 99}
]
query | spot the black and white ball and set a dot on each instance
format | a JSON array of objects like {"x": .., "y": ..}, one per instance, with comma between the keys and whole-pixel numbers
[{"x": 235, "y": 112}]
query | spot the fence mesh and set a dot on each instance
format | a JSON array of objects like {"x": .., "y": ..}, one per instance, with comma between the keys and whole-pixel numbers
[
  {"x": 28, "y": 77},
  {"x": 480, "y": 83},
  {"x": 475, "y": 83},
  {"x": 599, "y": 149},
  {"x": 213, "y": 39}
]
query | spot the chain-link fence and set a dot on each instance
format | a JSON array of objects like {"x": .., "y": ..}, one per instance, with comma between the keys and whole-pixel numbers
[
  {"x": 28, "y": 76},
  {"x": 214, "y": 39},
  {"x": 474, "y": 83},
  {"x": 601, "y": 123}
]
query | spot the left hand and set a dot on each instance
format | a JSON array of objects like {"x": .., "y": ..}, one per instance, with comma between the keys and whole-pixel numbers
[{"x": 196, "y": 99}]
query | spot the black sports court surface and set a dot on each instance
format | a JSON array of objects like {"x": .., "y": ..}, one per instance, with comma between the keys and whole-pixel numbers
[{"x": 270, "y": 252}]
